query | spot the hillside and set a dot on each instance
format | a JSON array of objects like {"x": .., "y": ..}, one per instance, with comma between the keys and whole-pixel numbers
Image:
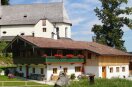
[{"x": 6, "y": 62}]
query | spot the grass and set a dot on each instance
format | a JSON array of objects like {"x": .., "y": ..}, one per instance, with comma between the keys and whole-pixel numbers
[
  {"x": 81, "y": 83},
  {"x": 102, "y": 83},
  {"x": 5, "y": 78}
]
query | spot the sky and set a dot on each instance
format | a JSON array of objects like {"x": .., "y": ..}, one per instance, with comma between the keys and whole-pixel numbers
[{"x": 83, "y": 17}]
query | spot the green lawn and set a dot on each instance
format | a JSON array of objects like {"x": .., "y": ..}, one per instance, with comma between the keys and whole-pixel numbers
[
  {"x": 4, "y": 78},
  {"x": 81, "y": 83},
  {"x": 102, "y": 83}
]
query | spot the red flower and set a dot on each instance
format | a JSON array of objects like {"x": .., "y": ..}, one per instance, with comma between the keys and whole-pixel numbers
[
  {"x": 80, "y": 56},
  {"x": 58, "y": 56},
  {"x": 69, "y": 56}
]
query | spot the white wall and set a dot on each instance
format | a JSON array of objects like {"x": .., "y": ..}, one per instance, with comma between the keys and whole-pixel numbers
[
  {"x": 71, "y": 70},
  {"x": 92, "y": 70},
  {"x": 119, "y": 74},
  {"x": 62, "y": 27},
  {"x": 13, "y": 30},
  {"x": 97, "y": 70},
  {"x": 16, "y": 30}
]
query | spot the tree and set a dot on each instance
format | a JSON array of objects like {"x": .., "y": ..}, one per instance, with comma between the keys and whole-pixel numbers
[
  {"x": 3, "y": 44},
  {"x": 110, "y": 32},
  {"x": 5, "y": 2}
]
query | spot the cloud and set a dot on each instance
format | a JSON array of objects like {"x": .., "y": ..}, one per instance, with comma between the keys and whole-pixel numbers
[
  {"x": 79, "y": 6},
  {"x": 38, "y": 1},
  {"x": 77, "y": 21}
]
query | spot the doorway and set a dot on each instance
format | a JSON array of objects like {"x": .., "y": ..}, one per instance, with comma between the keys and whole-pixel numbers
[{"x": 103, "y": 72}]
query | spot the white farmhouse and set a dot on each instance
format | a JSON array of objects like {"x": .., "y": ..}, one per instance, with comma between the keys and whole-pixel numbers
[{"x": 48, "y": 20}]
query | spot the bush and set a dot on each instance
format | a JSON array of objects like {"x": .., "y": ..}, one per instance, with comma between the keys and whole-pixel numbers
[
  {"x": 73, "y": 76},
  {"x": 1, "y": 70}
]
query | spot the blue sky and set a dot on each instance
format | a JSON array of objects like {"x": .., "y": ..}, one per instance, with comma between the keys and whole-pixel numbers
[{"x": 83, "y": 18}]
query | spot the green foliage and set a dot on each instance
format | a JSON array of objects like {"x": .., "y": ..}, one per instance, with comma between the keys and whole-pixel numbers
[
  {"x": 102, "y": 83},
  {"x": 0, "y": 70},
  {"x": 7, "y": 60},
  {"x": 5, "y": 2},
  {"x": 110, "y": 32},
  {"x": 5, "y": 78},
  {"x": 3, "y": 44},
  {"x": 73, "y": 76}
]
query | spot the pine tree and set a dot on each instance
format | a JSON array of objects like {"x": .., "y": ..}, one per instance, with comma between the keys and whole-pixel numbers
[
  {"x": 5, "y": 2},
  {"x": 110, "y": 32}
]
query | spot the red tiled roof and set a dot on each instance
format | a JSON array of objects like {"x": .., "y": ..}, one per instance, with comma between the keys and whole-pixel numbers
[{"x": 71, "y": 44}]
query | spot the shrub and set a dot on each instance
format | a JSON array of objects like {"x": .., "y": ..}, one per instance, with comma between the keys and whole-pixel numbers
[
  {"x": 73, "y": 76},
  {"x": 1, "y": 70}
]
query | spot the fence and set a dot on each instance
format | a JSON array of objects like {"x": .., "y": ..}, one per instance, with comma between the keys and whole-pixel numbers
[{"x": 20, "y": 84}]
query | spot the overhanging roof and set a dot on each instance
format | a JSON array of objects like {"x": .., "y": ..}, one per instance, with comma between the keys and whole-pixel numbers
[{"x": 71, "y": 44}]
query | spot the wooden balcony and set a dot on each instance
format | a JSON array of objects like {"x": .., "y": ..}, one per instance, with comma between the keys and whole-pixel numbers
[{"x": 48, "y": 60}]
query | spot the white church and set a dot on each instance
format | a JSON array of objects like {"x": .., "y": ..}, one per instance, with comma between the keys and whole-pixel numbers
[{"x": 48, "y": 20}]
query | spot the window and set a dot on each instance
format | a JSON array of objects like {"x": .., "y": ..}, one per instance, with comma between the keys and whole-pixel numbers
[
  {"x": 43, "y": 22},
  {"x": 66, "y": 31},
  {"x": 65, "y": 70},
  {"x": 89, "y": 55},
  {"x": 33, "y": 70},
  {"x": 20, "y": 68},
  {"x": 117, "y": 69},
  {"x": 111, "y": 69},
  {"x": 22, "y": 34},
  {"x": 4, "y": 32},
  {"x": 25, "y": 16},
  {"x": 78, "y": 69},
  {"x": 42, "y": 70},
  {"x": 57, "y": 29},
  {"x": 123, "y": 69},
  {"x": 54, "y": 70},
  {"x": 59, "y": 52},
  {"x": 44, "y": 29},
  {"x": 57, "y": 32}
]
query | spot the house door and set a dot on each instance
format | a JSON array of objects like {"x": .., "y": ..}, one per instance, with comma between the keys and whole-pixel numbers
[
  {"x": 27, "y": 71},
  {"x": 103, "y": 72}
]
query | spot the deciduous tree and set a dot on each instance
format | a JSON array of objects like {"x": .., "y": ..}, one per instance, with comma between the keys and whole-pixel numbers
[
  {"x": 113, "y": 19},
  {"x": 5, "y": 2}
]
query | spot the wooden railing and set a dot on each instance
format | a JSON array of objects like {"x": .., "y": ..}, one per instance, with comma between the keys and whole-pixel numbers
[{"x": 48, "y": 59}]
